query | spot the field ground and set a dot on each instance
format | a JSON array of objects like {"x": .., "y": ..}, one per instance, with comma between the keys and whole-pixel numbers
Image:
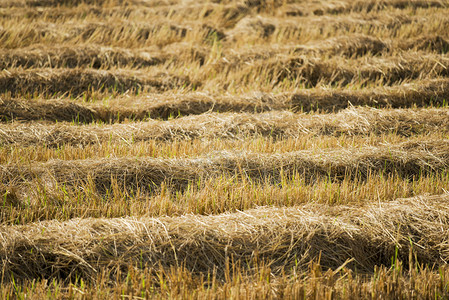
[{"x": 257, "y": 149}]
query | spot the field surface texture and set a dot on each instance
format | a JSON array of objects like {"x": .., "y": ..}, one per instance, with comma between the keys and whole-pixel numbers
[{"x": 224, "y": 149}]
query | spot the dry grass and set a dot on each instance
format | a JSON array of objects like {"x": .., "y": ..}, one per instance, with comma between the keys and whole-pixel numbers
[
  {"x": 432, "y": 92},
  {"x": 70, "y": 57},
  {"x": 314, "y": 72},
  {"x": 424, "y": 93},
  {"x": 383, "y": 24},
  {"x": 255, "y": 149},
  {"x": 45, "y": 110},
  {"x": 96, "y": 57},
  {"x": 277, "y": 125},
  {"x": 419, "y": 283},
  {"x": 356, "y": 45},
  {"x": 41, "y": 201},
  {"x": 344, "y": 7},
  {"x": 284, "y": 240},
  {"x": 119, "y": 34},
  {"x": 40, "y": 3},
  {"x": 134, "y": 175},
  {"x": 106, "y": 57},
  {"x": 240, "y": 26},
  {"x": 76, "y": 82}
]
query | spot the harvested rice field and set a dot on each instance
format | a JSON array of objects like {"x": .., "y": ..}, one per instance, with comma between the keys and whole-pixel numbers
[{"x": 226, "y": 149}]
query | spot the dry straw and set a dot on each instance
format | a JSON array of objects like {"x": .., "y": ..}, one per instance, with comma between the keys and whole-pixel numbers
[
  {"x": 77, "y": 56},
  {"x": 168, "y": 105},
  {"x": 319, "y": 8},
  {"x": 77, "y": 82},
  {"x": 45, "y": 110},
  {"x": 406, "y": 160},
  {"x": 420, "y": 94},
  {"x": 277, "y": 125},
  {"x": 239, "y": 21},
  {"x": 97, "y": 57},
  {"x": 284, "y": 239},
  {"x": 340, "y": 72},
  {"x": 87, "y": 163}
]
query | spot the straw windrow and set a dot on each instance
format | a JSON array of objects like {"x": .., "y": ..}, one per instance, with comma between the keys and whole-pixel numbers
[
  {"x": 282, "y": 238},
  {"x": 407, "y": 160},
  {"x": 77, "y": 82},
  {"x": 420, "y": 94},
  {"x": 277, "y": 125}
]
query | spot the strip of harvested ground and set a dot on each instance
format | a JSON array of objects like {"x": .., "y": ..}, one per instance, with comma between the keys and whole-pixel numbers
[
  {"x": 281, "y": 237},
  {"x": 278, "y": 125},
  {"x": 406, "y": 160},
  {"x": 36, "y": 202},
  {"x": 76, "y": 82}
]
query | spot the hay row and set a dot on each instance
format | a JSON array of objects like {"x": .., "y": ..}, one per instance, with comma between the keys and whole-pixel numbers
[
  {"x": 419, "y": 94},
  {"x": 97, "y": 57},
  {"x": 76, "y": 56},
  {"x": 76, "y": 82},
  {"x": 57, "y": 3},
  {"x": 108, "y": 57},
  {"x": 117, "y": 33},
  {"x": 283, "y": 238},
  {"x": 277, "y": 71},
  {"x": 223, "y": 15},
  {"x": 312, "y": 72},
  {"x": 277, "y": 125},
  {"x": 357, "y": 45},
  {"x": 407, "y": 160},
  {"x": 268, "y": 29},
  {"x": 138, "y": 33},
  {"x": 284, "y": 8},
  {"x": 339, "y": 7},
  {"x": 20, "y": 110},
  {"x": 344, "y": 7}
]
